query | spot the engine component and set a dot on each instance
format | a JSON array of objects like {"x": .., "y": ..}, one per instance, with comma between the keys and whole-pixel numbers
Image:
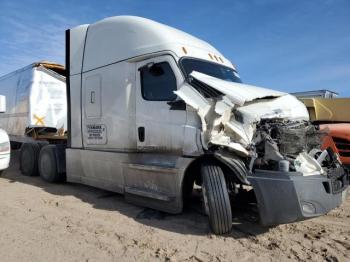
[{"x": 277, "y": 140}]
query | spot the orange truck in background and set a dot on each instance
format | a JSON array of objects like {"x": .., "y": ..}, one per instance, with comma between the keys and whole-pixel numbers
[{"x": 333, "y": 116}]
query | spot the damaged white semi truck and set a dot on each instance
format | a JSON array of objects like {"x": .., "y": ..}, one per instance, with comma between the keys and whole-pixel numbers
[{"x": 153, "y": 111}]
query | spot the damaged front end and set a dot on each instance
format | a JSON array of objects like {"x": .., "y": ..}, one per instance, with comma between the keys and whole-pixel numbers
[
  {"x": 286, "y": 145},
  {"x": 267, "y": 140},
  {"x": 292, "y": 178}
]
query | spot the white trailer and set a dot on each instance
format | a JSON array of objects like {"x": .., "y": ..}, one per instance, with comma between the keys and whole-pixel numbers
[
  {"x": 153, "y": 110},
  {"x": 36, "y": 103}
]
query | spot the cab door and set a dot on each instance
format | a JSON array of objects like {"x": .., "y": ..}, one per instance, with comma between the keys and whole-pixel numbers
[{"x": 160, "y": 115}]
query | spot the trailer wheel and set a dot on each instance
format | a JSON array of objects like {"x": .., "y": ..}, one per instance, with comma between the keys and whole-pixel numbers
[
  {"x": 28, "y": 159},
  {"x": 48, "y": 165},
  {"x": 216, "y": 199}
]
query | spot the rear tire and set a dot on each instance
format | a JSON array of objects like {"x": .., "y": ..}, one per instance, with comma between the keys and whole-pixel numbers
[
  {"x": 28, "y": 159},
  {"x": 15, "y": 145},
  {"x": 48, "y": 165},
  {"x": 216, "y": 199}
]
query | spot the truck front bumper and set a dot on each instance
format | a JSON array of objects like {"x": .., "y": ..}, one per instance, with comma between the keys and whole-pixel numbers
[{"x": 285, "y": 197}]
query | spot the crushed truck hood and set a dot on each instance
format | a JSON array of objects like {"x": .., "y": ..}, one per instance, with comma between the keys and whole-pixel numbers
[
  {"x": 237, "y": 92},
  {"x": 254, "y": 102},
  {"x": 230, "y": 119}
]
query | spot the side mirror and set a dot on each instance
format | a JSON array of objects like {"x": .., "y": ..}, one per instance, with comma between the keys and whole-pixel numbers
[{"x": 2, "y": 104}]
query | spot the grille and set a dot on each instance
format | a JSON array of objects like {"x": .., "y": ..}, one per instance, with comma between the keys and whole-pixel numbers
[
  {"x": 344, "y": 153},
  {"x": 343, "y": 146}
]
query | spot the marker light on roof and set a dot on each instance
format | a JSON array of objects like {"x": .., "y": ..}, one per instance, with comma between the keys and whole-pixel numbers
[
  {"x": 211, "y": 57},
  {"x": 184, "y": 50}
]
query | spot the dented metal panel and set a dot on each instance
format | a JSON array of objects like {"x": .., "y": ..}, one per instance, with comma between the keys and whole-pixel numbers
[
  {"x": 218, "y": 114},
  {"x": 238, "y": 93},
  {"x": 254, "y": 122}
]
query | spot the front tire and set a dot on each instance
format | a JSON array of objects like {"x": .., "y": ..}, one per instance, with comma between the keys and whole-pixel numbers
[{"x": 216, "y": 199}]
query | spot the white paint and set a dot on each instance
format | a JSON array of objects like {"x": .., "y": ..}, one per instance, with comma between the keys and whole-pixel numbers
[
  {"x": 2, "y": 104},
  {"x": 35, "y": 96},
  {"x": 238, "y": 93},
  {"x": 48, "y": 100},
  {"x": 125, "y": 37},
  {"x": 307, "y": 165},
  {"x": 219, "y": 124},
  {"x": 193, "y": 98},
  {"x": 284, "y": 107},
  {"x": 5, "y": 149},
  {"x": 76, "y": 48},
  {"x": 223, "y": 105}
]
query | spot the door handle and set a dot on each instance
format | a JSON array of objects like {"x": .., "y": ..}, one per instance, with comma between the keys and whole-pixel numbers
[
  {"x": 92, "y": 97},
  {"x": 141, "y": 132}
]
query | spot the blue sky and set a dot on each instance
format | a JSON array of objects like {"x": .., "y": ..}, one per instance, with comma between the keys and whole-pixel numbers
[{"x": 285, "y": 45}]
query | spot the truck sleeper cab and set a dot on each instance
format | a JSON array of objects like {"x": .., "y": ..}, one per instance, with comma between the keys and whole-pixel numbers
[{"x": 148, "y": 116}]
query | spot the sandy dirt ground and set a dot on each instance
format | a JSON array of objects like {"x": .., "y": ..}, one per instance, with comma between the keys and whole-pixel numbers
[{"x": 67, "y": 222}]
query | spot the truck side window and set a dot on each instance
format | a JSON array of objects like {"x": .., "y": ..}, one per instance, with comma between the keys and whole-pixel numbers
[{"x": 158, "y": 82}]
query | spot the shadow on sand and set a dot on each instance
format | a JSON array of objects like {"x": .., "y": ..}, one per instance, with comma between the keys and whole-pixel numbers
[{"x": 191, "y": 221}]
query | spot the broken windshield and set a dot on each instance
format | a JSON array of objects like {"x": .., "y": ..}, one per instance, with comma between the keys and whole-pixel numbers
[{"x": 189, "y": 65}]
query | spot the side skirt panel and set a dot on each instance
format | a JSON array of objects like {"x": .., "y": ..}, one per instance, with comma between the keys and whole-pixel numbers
[{"x": 146, "y": 179}]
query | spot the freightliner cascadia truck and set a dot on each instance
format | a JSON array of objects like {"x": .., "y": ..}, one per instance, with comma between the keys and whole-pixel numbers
[{"x": 153, "y": 111}]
